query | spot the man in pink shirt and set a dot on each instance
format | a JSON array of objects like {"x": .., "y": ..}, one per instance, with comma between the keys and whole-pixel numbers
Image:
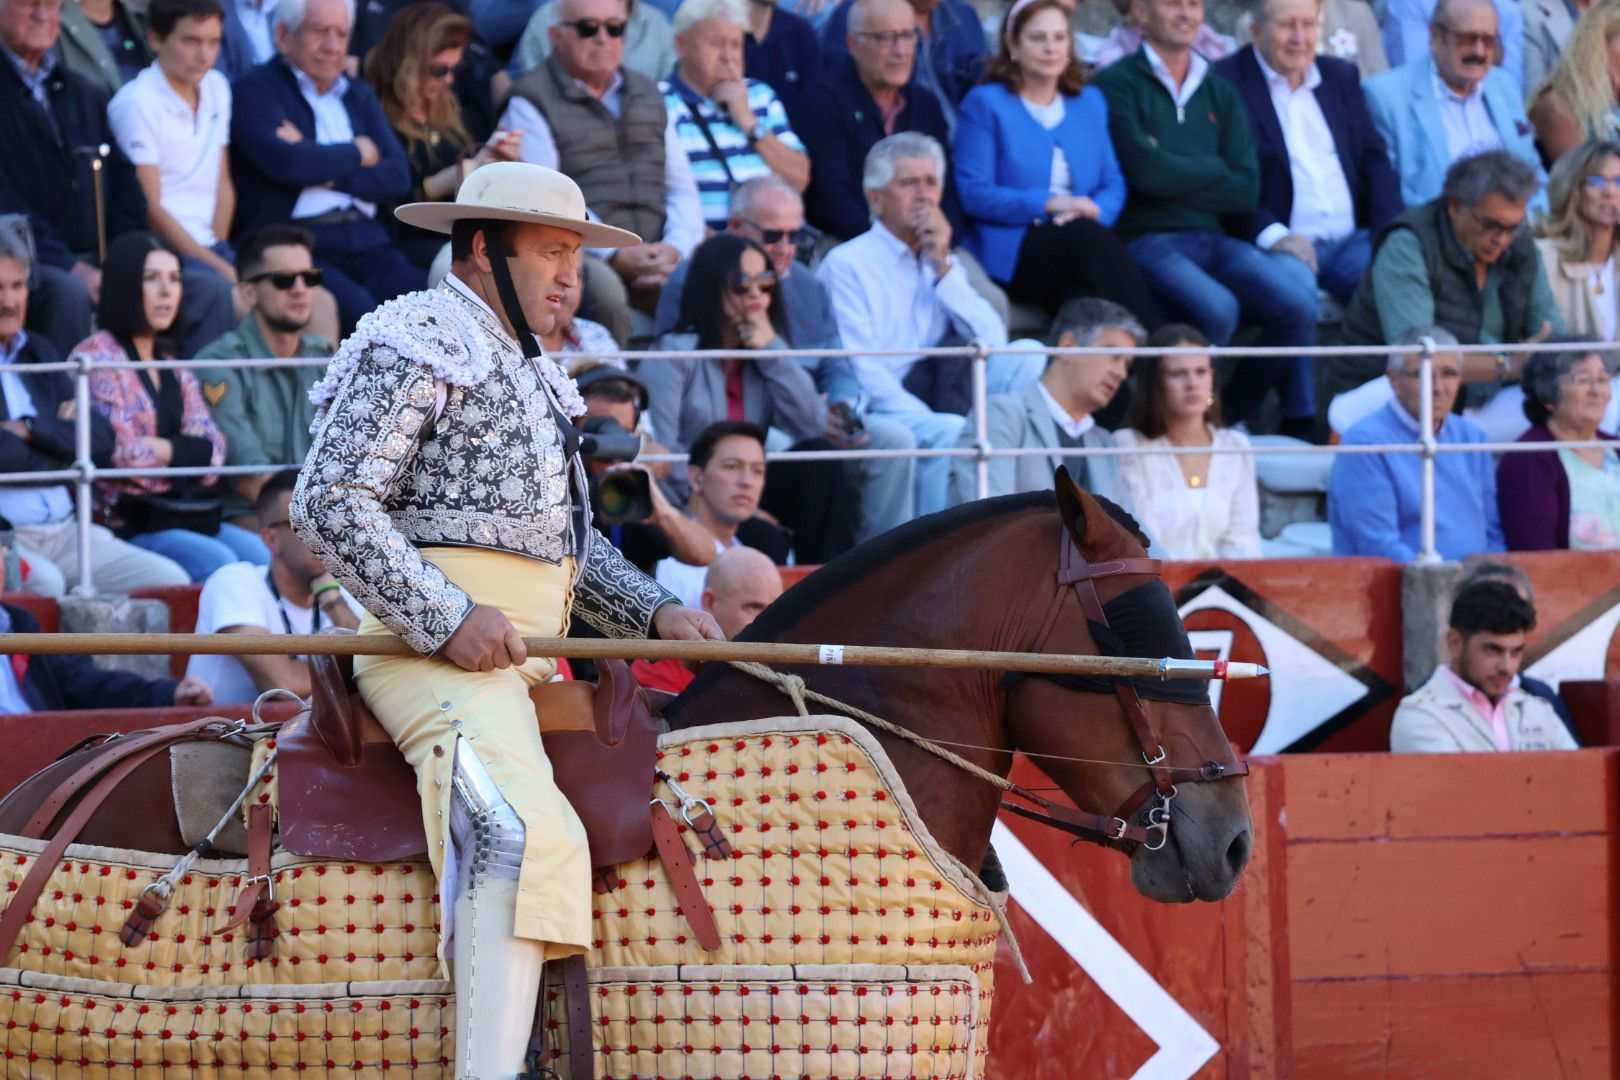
[{"x": 1475, "y": 703}]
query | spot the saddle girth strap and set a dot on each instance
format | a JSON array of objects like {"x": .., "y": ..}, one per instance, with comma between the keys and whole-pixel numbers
[
  {"x": 677, "y": 860},
  {"x": 255, "y": 904}
]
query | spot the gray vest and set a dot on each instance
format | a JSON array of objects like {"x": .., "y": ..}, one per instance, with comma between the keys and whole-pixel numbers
[{"x": 618, "y": 164}]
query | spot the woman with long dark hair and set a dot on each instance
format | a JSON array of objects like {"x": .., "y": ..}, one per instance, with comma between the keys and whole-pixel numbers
[
  {"x": 159, "y": 417},
  {"x": 732, "y": 302}
]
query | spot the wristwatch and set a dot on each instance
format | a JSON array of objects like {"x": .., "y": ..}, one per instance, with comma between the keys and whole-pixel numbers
[{"x": 757, "y": 132}]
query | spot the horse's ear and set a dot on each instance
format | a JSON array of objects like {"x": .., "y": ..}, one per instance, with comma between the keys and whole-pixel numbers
[{"x": 1071, "y": 507}]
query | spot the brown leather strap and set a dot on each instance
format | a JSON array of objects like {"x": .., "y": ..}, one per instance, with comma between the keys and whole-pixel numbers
[
  {"x": 258, "y": 884},
  {"x": 117, "y": 751},
  {"x": 677, "y": 860},
  {"x": 581, "y": 1032},
  {"x": 23, "y": 900}
]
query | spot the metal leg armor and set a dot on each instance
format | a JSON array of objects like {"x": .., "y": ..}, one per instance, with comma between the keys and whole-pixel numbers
[{"x": 497, "y": 974}]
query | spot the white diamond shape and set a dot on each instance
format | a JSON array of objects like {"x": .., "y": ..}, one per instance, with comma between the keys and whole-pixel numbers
[
  {"x": 1582, "y": 655},
  {"x": 1307, "y": 689}
]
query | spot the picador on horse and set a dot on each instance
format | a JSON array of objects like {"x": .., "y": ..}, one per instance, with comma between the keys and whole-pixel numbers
[{"x": 444, "y": 489}]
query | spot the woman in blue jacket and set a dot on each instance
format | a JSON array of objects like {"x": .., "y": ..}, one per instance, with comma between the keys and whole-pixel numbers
[{"x": 1037, "y": 175}]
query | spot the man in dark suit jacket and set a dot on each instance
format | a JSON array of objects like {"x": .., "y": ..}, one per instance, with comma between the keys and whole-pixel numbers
[
  {"x": 1326, "y": 185},
  {"x": 312, "y": 147},
  {"x": 56, "y": 683}
]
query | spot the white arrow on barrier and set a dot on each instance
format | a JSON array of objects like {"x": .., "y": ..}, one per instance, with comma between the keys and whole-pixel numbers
[{"x": 1184, "y": 1045}]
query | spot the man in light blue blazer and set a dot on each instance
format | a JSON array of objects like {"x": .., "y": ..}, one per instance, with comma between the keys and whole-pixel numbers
[{"x": 1451, "y": 103}]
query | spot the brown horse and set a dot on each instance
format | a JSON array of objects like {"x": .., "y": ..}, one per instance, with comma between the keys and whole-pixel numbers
[{"x": 983, "y": 576}]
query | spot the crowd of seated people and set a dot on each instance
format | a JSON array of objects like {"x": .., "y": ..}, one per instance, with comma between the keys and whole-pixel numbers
[{"x": 882, "y": 176}]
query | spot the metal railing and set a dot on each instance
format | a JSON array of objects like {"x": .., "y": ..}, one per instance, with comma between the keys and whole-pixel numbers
[{"x": 84, "y": 473}]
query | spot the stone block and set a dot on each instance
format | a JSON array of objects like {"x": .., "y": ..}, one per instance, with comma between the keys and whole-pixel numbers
[
  {"x": 1426, "y": 590},
  {"x": 111, "y": 614}
]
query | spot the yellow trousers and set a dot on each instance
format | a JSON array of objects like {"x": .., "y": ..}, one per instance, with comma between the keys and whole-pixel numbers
[{"x": 433, "y": 710}]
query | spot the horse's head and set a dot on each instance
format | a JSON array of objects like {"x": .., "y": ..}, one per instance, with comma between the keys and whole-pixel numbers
[{"x": 1209, "y": 833}]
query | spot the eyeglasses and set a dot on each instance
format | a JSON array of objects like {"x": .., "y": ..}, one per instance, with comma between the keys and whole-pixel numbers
[
  {"x": 441, "y": 71},
  {"x": 1599, "y": 181},
  {"x": 1484, "y": 41},
  {"x": 587, "y": 28},
  {"x": 1492, "y": 227},
  {"x": 284, "y": 281},
  {"x": 740, "y": 283},
  {"x": 803, "y": 236},
  {"x": 890, "y": 39}
]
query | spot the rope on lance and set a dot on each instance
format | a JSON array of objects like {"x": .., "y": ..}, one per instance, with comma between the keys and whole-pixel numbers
[{"x": 756, "y": 652}]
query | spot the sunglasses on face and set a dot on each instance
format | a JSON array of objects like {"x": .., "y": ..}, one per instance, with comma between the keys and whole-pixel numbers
[
  {"x": 740, "y": 283},
  {"x": 587, "y": 28},
  {"x": 1598, "y": 181},
  {"x": 440, "y": 71},
  {"x": 1468, "y": 40},
  {"x": 284, "y": 280},
  {"x": 800, "y": 237}
]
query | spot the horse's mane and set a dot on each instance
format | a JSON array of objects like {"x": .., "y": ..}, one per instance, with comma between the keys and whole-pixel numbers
[{"x": 856, "y": 564}]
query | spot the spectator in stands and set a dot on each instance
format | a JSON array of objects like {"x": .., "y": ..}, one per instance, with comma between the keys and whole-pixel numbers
[
  {"x": 732, "y": 301},
  {"x": 1476, "y": 570},
  {"x": 605, "y": 124},
  {"x": 1547, "y": 27},
  {"x": 781, "y": 50},
  {"x": 726, "y": 472},
  {"x": 1450, "y": 103},
  {"x": 1580, "y": 97},
  {"x": 738, "y": 585},
  {"x": 1347, "y": 30},
  {"x": 732, "y": 128},
  {"x": 295, "y": 595},
  {"x": 264, "y": 412},
  {"x": 1375, "y": 501},
  {"x": 59, "y": 683},
  {"x": 316, "y": 149},
  {"x": 1475, "y": 703},
  {"x": 173, "y": 122},
  {"x": 649, "y": 41},
  {"x": 413, "y": 72},
  {"x": 1126, "y": 38},
  {"x": 1032, "y": 146},
  {"x": 38, "y": 433},
  {"x": 950, "y": 48},
  {"x": 1325, "y": 182},
  {"x": 853, "y": 105},
  {"x": 897, "y": 286},
  {"x": 159, "y": 418},
  {"x": 1189, "y": 161},
  {"x": 1562, "y": 498},
  {"x": 1577, "y": 239},
  {"x": 769, "y": 212},
  {"x": 104, "y": 42},
  {"x": 1409, "y": 27},
  {"x": 50, "y": 132},
  {"x": 1464, "y": 262},
  {"x": 1056, "y": 411},
  {"x": 667, "y": 532},
  {"x": 570, "y": 333},
  {"x": 1199, "y": 505},
  {"x": 250, "y": 37}
]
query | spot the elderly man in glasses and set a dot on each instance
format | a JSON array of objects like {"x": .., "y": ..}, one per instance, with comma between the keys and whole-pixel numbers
[
  {"x": 264, "y": 412},
  {"x": 1451, "y": 102},
  {"x": 589, "y": 114},
  {"x": 1465, "y": 262}
]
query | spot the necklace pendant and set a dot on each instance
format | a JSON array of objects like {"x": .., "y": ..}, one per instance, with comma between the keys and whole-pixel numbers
[{"x": 1195, "y": 481}]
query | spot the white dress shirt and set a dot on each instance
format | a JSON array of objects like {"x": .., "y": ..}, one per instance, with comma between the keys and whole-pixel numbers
[
  {"x": 885, "y": 296},
  {"x": 683, "y": 211},
  {"x": 1219, "y": 520},
  {"x": 27, "y": 505},
  {"x": 1323, "y": 208},
  {"x": 1065, "y": 421},
  {"x": 1466, "y": 119},
  {"x": 332, "y": 125},
  {"x": 1189, "y": 86},
  {"x": 256, "y": 17}
]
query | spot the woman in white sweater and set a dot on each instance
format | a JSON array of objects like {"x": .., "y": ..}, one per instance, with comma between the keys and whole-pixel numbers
[{"x": 1200, "y": 505}]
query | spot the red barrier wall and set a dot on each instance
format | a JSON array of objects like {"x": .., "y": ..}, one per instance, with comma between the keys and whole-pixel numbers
[{"x": 1403, "y": 916}]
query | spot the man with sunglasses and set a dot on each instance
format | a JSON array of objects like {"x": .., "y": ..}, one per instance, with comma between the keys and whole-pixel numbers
[
  {"x": 1451, "y": 102},
  {"x": 1407, "y": 25},
  {"x": 649, "y": 43},
  {"x": 265, "y": 412},
  {"x": 1466, "y": 262}
]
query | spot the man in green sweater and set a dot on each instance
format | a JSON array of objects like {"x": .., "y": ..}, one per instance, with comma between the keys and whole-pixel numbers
[
  {"x": 265, "y": 413},
  {"x": 1185, "y": 145}
]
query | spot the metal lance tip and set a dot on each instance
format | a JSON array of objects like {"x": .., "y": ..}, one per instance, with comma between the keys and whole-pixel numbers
[{"x": 1210, "y": 669}]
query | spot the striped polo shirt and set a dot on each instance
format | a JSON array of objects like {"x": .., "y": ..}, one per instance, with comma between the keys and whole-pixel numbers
[{"x": 716, "y": 176}]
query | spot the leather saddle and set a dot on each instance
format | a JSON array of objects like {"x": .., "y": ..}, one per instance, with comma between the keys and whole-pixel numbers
[{"x": 346, "y": 792}]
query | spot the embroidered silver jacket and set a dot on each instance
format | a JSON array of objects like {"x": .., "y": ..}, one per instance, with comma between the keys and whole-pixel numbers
[{"x": 434, "y": 429}]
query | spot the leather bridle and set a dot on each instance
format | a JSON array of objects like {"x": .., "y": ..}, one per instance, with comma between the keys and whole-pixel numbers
[{"x": 1076, "y": 576}]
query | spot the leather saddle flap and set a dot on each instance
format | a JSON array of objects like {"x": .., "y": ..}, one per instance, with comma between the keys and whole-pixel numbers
[{"x": 346, "y": 792}]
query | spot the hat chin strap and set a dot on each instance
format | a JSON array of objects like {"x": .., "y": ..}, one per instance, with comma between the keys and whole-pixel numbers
[{"x": 501, "y": 269}]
